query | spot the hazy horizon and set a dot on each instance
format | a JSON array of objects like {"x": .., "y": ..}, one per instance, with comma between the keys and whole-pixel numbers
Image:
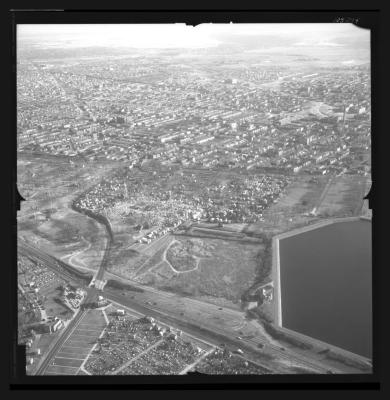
[{"x": 319, "y": 39}]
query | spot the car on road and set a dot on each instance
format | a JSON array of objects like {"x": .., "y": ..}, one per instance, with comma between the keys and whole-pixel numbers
[
  {"x": 239, "y": 351},
  {"x": 220, "y": 308},
  {"x": 239, "y": 337}
]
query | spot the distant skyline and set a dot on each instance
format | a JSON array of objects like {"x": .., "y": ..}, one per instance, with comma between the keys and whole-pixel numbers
[{"x": 247, "y": 36}]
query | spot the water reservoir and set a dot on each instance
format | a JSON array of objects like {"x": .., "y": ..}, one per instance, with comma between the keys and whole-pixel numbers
[{"x": 325, "y": 279}]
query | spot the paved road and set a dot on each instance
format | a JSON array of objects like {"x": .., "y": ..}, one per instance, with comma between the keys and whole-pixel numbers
[
  {"x": 214, "y": 333},
  {"x": 49, "y": 261},
  {"x": 58, "y": 344},
  {"x": 100, "y": 274},
  {"x": 91, "y": 294}
]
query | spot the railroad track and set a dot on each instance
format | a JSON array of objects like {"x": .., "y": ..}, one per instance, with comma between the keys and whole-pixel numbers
[
  {"x": 61, "y": 340},
  {"x": 49, "y": 261},
  {"x": 200, "y": 330}
]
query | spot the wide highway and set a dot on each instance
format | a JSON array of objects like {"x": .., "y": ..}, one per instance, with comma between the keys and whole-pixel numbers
[
  {"x": 218, "y": 336},
  {"x": 212, "y": 333},
  {"x": 50, "y": 261}
]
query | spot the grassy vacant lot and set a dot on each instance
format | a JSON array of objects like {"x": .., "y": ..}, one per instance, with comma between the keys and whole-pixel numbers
[
  {"x": 226, "y": 269},
  {"x": 125, "y": 262},
  {"x": 153, "y": 261},
  {"x": 301, "y": 195},
  {"x": 344, "y": 196},
  {"x": 185, "y": 255},
  {"x": 289, "y": 212},
  {"x": 133, "y": 262}
]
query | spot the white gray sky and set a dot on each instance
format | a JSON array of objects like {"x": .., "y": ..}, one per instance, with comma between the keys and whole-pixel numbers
[{"x": 205, "y": 35}]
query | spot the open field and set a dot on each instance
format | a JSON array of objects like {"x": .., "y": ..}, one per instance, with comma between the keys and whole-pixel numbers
[
  {"x": 299, "y": 198},
  {"x": 300, "y": 195},
  {"x": 344, "y": 196},
  {"x": 77, "y": 239},
  {"x": 211, "y": 267},
  {"x": 134, "y": 260},
  {"x": 185, "y": 255},
  {"x": 328, "y": 196},
  {"x": 49, "y": 185},
  {"x": 125, "y": 261}
]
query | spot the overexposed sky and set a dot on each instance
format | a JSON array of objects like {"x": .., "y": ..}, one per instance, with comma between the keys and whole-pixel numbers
[{"x": 181, "y": 35}]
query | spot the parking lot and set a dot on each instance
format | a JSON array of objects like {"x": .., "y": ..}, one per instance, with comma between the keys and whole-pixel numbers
[{"x": 78, "y": 345}]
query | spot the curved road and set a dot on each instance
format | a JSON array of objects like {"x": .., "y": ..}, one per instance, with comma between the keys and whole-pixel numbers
[{"x": 212, "y": 333}]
